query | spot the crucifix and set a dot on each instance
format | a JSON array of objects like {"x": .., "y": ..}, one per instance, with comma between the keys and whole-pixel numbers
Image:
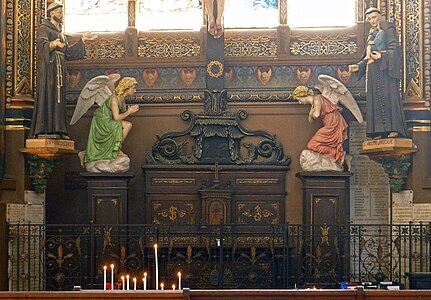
[
  {"x": 216, "y": 169},
  {"x": 215, "y": 59}
]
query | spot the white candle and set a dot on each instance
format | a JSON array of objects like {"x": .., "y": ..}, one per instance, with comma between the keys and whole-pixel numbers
[
  {"x": 162, "y": 285},
  {"x": 145, "y": 281},
  {"x": 128, "y": 281},
  {"x": 179, "y": 280},
  {"x": 134, "y": 283},
  {"x": 104, "y": 277},
  {"x": 173, "y": 287},
  {"x": 122, "y": 281},
  {"x": 112, "y": 276},
  {"x": 157, "y": 266}
]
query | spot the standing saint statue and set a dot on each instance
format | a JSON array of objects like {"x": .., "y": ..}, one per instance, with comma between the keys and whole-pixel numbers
[
  {"x": 49, "y": 114},
  {"x": 381, "y": 64}
]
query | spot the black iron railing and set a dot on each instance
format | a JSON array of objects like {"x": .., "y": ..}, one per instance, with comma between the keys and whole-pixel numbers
[{"x": 57, "y": 257}]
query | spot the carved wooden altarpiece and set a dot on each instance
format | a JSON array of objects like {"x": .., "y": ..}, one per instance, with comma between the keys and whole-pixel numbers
[{"x": 216, "y": 171}]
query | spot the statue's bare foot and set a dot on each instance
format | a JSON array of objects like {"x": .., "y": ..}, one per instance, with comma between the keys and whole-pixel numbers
[
  {"x": 121, "y": 153},
  {"x": 81, "y": 155},
  {"x": 393, "y": 135},
  {"x": 212, "y": 27},
  {"x": 348, "y": 160},
  {"x": 219, "y": 30},
  {"x": 377, "y": 137}
]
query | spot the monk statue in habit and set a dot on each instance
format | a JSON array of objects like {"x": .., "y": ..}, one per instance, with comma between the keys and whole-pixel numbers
[{"x": 49, "y": 113}]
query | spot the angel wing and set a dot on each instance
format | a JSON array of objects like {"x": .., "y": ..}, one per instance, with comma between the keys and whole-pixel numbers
[
  {"x": 97, "y": 90},
  {"x": 336, "y": 92}
]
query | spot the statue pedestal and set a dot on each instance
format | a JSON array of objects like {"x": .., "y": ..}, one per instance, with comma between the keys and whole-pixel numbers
[
  {"x": 43, "y": 155},
  {"x": 107, "y": 195},
  {"x": 326, "y": 197},
  {"x": 326, "y": 244},
  {"x": 394, "y": 154}
]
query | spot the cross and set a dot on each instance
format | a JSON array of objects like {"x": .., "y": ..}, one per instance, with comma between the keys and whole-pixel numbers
[{"x": 216, "y": 169}]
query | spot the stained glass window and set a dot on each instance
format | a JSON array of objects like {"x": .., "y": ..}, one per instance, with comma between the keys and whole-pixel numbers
[
  {"x": 95, "y": 15},
  {"x": 111, "y": 15},
  {"x": 169, "y": 14},
  {"x": 321, "y": 13},
  {"x": 251, "y": 13}
]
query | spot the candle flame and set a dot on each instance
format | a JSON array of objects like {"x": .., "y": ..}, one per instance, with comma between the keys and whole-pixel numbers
[
  {"x": 122, "y": 277},
  {"x": 145, "y": 274},
  {"x": 105, "y": 267},
  {"x": 134, "y": 279},
  {"x": 127, "y": 276},
  {"x": 112, "y": 266},
  {"x": 155, "y": 245},
  {"x": 179, "y": 274}
]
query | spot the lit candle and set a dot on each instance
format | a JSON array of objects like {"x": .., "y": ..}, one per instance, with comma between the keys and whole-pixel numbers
[
  {"x": 128, "y": 281},
  {"x": 134, "y": 283},
  {"x": 145, "y": 281},
  {"x": 173, "y": 287},
  {"x": 179, "y": 280},
  {"x": 112, "y": 276},
  {"x": 162, "y": 285},
  {"x": 122, "y": 281},
  {"x": 157, "y": 266},
  {"x": 104, "y": 277}
]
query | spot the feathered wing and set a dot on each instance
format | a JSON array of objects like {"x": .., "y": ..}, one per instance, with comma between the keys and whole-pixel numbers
[
  {"x": 336, "y": 92},
  {"x": 97, "y": 90}
]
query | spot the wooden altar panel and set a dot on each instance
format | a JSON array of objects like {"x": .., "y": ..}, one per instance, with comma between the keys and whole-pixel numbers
[{"x": 215, "y": 194}]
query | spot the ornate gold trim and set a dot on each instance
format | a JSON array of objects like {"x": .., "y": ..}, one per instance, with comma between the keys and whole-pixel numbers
[
  {"x": 168, "y": 181},
  {"x": 212, "y": 64},
  {"x": 257, "y": 181}
]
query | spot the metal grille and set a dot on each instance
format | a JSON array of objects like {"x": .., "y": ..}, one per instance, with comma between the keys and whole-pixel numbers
[{"x": 57, "y": 257}]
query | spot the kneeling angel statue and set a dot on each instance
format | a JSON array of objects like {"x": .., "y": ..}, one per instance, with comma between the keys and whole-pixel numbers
[
  {"x": 108, "y": 128},
  {"x": 324, "y": 151}
]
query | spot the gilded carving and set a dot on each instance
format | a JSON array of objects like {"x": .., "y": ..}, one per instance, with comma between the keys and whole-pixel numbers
[
  {"x": 23, "y": 38},
  {"x": 257, "y": 213},
  {"x": 250, "y": 46},
  {"x": 324, "y": 234},
  {"x": 218, "y": 69},
  {"x": 172, "y": 214},
  {"x": 322, "y": 47},
  {"x": 427, "y": 50},
  {"x": 169, "y": 97},
  {"x": 257, "y": 181},
  {"x": 413, "y": 45},
  {"x": 9, "y": 47},
  {"x": 171, "y": 181},
  {"x": 168, "y": 47},
  {"x": 105, "y": 48}
]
